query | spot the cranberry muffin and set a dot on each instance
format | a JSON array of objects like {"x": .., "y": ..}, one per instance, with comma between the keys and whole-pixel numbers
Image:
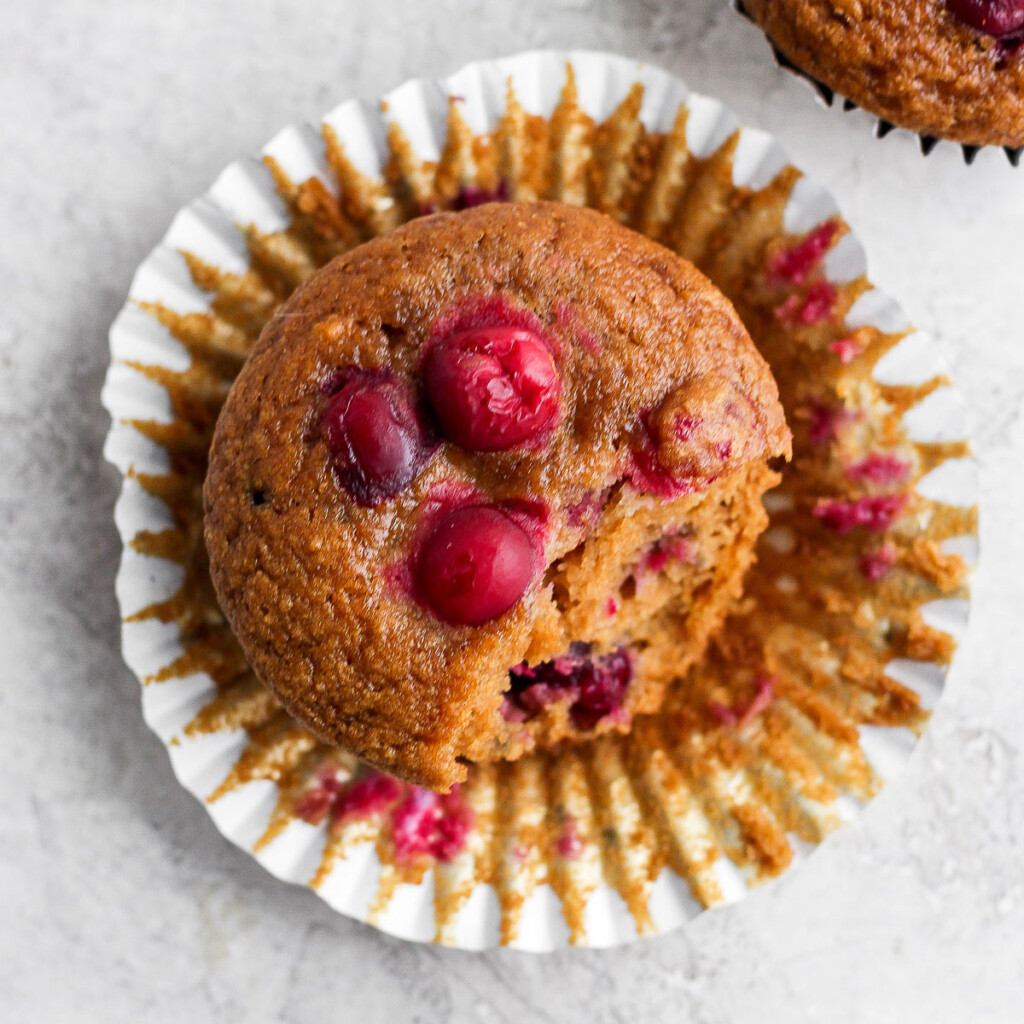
[
  {"x": 489, "y": 482},
  {"x": 946, "y": 69}
]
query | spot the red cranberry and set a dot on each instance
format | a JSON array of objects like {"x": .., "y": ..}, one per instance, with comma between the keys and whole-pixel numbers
[
  {"x": 374, "y": 435},
  {"x": 414, "y": 823},
  {"x": 825, "y": 421},
  {"x": 656, "y": 556},
  {"x": 475, "y": 565},
  {"x": 360, "y": 799},
  {"x": 314, "y": 805},
  {"x": 469, "y": 196},
  {"x": 997, "y": 18},
  {"x": 493, "y": 387},
  {"x": 321, "y": 798},
  {"x": 473, "y": 195},
  {"x": 846, "y": 348},
  {"x": 457, "y": 820}
]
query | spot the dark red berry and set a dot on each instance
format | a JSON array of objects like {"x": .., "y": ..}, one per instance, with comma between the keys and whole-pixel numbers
[
  {"x": 595, "y": 686},
  {"x": 374, "y": 436},
  {"x": 475, "y": 565},
  {"x": 493, "y": 388},
  {"x": 997, "y": 18},
  {"x": 603, "y": 687}
]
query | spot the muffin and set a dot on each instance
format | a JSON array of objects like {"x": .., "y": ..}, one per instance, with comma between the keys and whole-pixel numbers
[
  {"x": 946, "y": 69},
  {"x": 488, "y": 483}
]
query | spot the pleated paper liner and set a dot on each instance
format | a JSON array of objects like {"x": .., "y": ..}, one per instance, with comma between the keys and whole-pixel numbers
[
  {"x": 830, "y": 98},
  {"x": 820, "y": 684}
]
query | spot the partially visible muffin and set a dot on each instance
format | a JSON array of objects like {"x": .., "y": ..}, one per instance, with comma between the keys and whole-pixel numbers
[
  {"x": 949, "y": 69},
  {"x": 487, "y": 483}
]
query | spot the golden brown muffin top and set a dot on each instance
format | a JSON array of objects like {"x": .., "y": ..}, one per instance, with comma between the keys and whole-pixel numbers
[
  {"x": 926, "y": 65},
  {"x": 330, "y": 584}
]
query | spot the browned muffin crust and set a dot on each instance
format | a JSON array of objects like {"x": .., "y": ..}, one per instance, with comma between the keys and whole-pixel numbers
[
  {"x": 306, "y": 575},
  {"x": 912, "y": 63}
]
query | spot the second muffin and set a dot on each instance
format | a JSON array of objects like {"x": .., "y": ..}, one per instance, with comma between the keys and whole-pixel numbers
[
  {"x": 946, "y": 69},
  {"x": 489, "y": 482}
]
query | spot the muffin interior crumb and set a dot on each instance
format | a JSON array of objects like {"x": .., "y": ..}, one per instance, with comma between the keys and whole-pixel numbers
[{"x": 628, "y": 606}]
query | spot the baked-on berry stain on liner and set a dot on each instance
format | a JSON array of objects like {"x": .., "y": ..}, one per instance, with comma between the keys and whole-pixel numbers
[{"x": 376, "y": 437}]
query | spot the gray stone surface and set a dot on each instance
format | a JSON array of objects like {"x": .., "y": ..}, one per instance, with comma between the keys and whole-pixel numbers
[{"x": 119, "y": 901}]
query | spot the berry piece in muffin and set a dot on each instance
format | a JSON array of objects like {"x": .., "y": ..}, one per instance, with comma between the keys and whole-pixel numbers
[{"x": 511, "y": 463}]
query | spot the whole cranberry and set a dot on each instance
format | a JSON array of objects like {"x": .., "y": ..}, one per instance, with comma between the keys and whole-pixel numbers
[
  {"x": 374, "y": 436},
  {"x": 996, "y": 18},
  {"x": 492, "y": 388},
  {"x": 475, "y": 565}
]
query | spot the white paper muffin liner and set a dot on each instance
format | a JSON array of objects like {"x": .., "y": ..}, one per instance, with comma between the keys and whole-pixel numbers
[{"x": 666, "y": 821}]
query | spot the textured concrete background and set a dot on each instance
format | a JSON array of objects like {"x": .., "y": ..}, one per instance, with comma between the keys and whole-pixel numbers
[{"x": 119, "y": 901}]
